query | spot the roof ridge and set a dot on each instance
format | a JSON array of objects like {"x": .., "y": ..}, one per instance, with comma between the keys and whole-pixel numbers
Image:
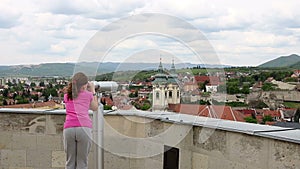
[{"x": 232, "y": 113}]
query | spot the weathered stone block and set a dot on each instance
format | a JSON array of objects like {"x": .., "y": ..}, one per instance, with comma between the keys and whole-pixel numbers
[
  {"x": 185, "y": 158},
  {"x": 6, "y": 140},
  {"x": 58, "y": 159},
  {"x": 53, "y": 142},
  {"x": 24, "y": 141},
  {"x": 147, "y": 163},
  {"x": 199, "y": 161},
  {"x": 283, "y": 155},
  {"x": 227, "y": 164},
  {"x": 14, "y": 122},
  {"x": 210, "y": 140},
  {"x": 21, "y": 168},
  {"x": 38, "y": 158},
  {"x": 246, "y": 149},
  {"x": 13, "y": 158},
  {"x": 91, "y": 160},
  {"x": 113, "y": 161}
]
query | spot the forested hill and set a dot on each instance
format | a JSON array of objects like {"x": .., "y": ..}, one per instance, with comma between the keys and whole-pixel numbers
[
  {"x": 292, "y": 61},
  {"x": 91, "y": 68}
]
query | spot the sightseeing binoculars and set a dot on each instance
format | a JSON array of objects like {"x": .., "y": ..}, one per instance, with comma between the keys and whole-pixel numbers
[{"x": 105, "y": 86}]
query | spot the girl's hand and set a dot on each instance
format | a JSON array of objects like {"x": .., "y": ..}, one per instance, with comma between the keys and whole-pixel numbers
[{"x": 91, "y": 87}]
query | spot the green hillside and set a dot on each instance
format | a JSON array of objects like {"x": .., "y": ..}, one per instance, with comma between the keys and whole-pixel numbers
[
  {"x": 282, "y": 61},
  {"x": 90, "y": 68},
  {"x": 296, "y": 65}
]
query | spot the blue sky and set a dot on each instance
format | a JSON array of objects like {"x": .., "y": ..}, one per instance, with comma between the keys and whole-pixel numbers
[{"x": 240, "y": 32}]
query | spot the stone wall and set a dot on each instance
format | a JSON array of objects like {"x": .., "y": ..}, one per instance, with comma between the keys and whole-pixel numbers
[
  {"x": 31, "y": 141},
  {"x": 280, "y": 95},
  {"x": 241, "y": 151},
  {"x": 34, "y": 141}
]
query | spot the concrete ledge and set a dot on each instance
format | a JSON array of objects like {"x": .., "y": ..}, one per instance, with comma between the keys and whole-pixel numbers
[
  {"x": 137, "y": 139},
  {"x": 273, "y": 132}
]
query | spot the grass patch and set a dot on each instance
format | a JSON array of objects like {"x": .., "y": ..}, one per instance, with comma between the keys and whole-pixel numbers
[{"x": 291, "y": 104}]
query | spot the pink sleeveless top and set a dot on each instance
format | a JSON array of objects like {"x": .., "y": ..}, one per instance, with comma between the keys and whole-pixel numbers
[{"x": 77, "y": 110}]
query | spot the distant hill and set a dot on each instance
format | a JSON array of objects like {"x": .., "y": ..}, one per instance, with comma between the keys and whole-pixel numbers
[
  {"x": 282, "y": 61},
  {"x": 296, "y": 65},
  {"x": 90, "y": 68}
]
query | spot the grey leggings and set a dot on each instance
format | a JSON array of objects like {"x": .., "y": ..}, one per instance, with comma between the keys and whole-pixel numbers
[{"x": 77, "y": 144}]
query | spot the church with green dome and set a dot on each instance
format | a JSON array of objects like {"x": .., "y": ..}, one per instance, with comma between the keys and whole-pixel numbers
[{"x": 165, "y": 88}]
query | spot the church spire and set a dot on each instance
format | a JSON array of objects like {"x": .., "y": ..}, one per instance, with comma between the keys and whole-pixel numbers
[
  {"x": 173, "y": 70},
  {"x": 160, "y": 67}
]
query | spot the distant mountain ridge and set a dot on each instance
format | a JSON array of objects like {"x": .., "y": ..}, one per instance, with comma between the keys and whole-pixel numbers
[
  {"x": 91, "y": 68},
  {"x": 292, "y": 61}
]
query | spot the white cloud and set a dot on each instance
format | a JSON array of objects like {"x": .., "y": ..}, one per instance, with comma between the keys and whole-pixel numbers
[
  {"x": 57, "y": 48},
  {"x": 9, "y": 17},
  {"x": 241, "y": 32}
]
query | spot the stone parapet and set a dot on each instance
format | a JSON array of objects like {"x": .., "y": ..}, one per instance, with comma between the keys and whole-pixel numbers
[{"x": 135, "y": 140}]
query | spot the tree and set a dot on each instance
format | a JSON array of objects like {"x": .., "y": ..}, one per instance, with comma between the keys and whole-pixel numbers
[
  {"x": 245, "y": 89},
  {"x": 34, "y": 97},
  {"x": 222, "y": 88},
  {"x": 9, "y": 83},
  {"x": 202, "y": 85},
  {"x": 290, "y": 79},
  {"x": 250, "y": 120},
  {"x": 232, "y": 88},
  {"x": 4, "y": 102},
  {"x": 5, "y": 92},
  {"x": 107, "y": 107},
  {"x": 268, "y": 87},
  {"x": 145, "y": 106},
  {"x": 203, "y": 102},
  {"x": 32, "y": 84},
  {"x": 267, "y": 118},
  {"x": 21, "y": 100},
  {"x": 236, "y": 104},
  {"x": 50, "y": 85},
  {"x": 1, "y": 100},
  {"x": 42, "y": 84},
  {"x": 135, "y": 94}
]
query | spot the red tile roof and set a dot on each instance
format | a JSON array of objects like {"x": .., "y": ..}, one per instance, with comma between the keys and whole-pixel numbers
[
  {"x": 247, "y": 112},
  {"x": 107, "y": 101},
  {"x": 213, "y": 80},
  {"x": 213, "y": 111},
  {"x": 270, "y": 123},
  {"x": 272, "y": 113},
  {"x": 32, "y": 105}
]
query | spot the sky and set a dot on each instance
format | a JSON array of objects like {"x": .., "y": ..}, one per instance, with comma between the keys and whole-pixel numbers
[{"x": 237, "y": 33}]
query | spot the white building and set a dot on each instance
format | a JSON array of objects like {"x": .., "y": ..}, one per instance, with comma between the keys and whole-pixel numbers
[
  {"x": 165, "y": 89},
  {"x": 211, "y": 88}
]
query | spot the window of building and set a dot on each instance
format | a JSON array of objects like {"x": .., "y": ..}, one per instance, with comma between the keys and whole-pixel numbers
[
  {"x": 170, "y": 93},
  {"x": 171, "y": 157},
  {"x": 157, "y": 95},
  {"x": 177, "y": 94}
]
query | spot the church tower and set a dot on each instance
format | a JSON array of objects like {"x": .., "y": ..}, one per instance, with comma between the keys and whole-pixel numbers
[
  {"x": 173, "y": 87},
  {"x": 165, "y": 88},
  {"x": 159, "y": 101}
]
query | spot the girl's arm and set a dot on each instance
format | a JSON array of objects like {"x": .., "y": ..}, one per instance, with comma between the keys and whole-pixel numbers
[{"x": 94, "y": 102}]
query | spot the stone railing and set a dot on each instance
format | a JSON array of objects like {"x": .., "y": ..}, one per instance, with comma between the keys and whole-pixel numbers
[{"x": 32, "y": 139}]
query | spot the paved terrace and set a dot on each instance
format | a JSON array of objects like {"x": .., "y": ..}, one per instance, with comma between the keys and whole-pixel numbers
[{"x": 32, "y": 139}]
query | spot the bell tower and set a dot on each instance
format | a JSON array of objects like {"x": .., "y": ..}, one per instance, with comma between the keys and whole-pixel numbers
[{"x": 165, "y": 88}]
